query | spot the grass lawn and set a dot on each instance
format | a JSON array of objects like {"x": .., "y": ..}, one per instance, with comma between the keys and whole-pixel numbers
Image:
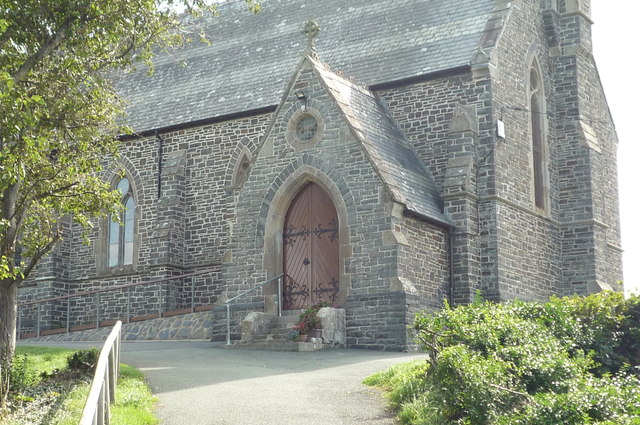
[
  {"x": 45, "y": 359},
  {"x": 405, "y": 389},
  {"x": 54, "y": 395}
]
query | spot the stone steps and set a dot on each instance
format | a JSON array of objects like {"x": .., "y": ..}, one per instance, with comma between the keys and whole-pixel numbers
[
  {"x": 280, "y": 328},
  {"x": 265, "y": 332},
  {"x": 272, "y": 345}
]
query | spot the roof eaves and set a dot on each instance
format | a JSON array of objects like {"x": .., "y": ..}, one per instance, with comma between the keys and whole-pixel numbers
[
  {"x": 198, "y": 123},
  {"x": 428, "y": 219},
  {"x": 451, "y": 72}
]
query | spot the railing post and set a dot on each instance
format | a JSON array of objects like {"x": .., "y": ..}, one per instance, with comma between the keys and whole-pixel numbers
[
  {"x": 107, "y": 394},
  {"x": 280, "y": 296},
  {"x": 111, "y": 374},
  {"x": 38, "y": 324},
  {"x": 97, "y": 310},
  {"x": 159, "y": 299},
  {"x": 193, "y": 294},
  {"x": 228, "y": 325},
  {"x": 101, "y": 405},
  {"x": 68, "y": 314},
  {"x": 128, "y": 304}
]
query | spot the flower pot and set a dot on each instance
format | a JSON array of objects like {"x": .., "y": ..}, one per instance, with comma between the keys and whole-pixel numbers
[
  {"x": 316, "y": 333},
  {"x": 302, "y": 338}
]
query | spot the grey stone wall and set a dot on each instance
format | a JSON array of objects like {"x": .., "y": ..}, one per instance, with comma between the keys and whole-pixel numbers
[
  {"x": 378, "y": 321},
  {"x": 136, "y": 303},
  {"x": 188, "y": 225},
  {"x": 460, "y": 157},
  {"x": 423, "y": 265},
  {"x": 424, "y": 112},
  {"x": 589, "y": 188},
  {"x": 49, "y": 314},
  {"x": 195, "y": 326}
]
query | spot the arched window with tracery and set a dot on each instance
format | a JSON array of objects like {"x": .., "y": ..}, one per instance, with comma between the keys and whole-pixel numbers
[
  {"x": 538, "y": 140},
  {"x": 122, "y": 233}
]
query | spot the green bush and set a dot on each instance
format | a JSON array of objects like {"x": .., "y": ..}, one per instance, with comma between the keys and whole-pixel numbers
[
  {"x": 23, "y": 375},
  {"x": 569, "y": 361},
  {"x": 83, "y": 360}
]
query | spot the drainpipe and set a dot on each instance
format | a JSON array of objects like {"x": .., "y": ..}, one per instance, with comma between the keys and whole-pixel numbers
[
  {"x": 160, "y": 149},
  {"x": 451, "y": 229}
]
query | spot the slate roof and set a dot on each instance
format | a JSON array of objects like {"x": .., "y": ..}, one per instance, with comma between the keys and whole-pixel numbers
[
  {"x": 406, "y": 177},
  {"x": 252, "y": 56}
]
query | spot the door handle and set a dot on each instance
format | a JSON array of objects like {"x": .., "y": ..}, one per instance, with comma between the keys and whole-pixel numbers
[{"x": 306, "y": 262}]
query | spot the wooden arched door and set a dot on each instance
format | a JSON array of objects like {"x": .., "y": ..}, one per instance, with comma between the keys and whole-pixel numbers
[{"x": 311, "y": 245}]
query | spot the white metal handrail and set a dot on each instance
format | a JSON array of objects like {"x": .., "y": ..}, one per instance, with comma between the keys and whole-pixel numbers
[
  {"x": 248, "y": 291},
  {"x": 103, "y": 388}
]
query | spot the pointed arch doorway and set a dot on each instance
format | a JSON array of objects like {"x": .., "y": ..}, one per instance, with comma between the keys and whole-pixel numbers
[{"x": 310, "y": 249}]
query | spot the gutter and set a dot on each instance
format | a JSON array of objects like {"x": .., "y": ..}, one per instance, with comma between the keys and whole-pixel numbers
[
  {"x": 198, "y": 123},
  {"x": 451, "y": 72}
]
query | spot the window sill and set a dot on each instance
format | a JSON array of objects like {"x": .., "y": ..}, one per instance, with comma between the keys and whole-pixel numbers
[{"x": 118, "y": 270}]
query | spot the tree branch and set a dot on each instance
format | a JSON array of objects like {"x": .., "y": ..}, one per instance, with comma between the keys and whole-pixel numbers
[
  {"x": 5, "y": 36},
  {"x": 75, "y": 195},
  {"x": 55, "y": 192},
  {"x": 44, "y": 50},
  {"x": 27, "y": 197},
  {"x": 33, "y": 261},
  {"x": 510, "y": 391},
  {"x": 127, "y": 50}
]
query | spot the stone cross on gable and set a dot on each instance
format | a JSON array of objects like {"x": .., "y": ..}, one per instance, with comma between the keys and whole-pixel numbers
[{"x": 311, "y": 30}]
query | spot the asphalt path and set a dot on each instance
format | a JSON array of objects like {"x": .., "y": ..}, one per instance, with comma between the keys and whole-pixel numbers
[{"x": 204, "y": 383}]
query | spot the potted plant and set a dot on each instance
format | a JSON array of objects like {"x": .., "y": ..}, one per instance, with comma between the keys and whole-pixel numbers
[{"x": 309, "y": 322}]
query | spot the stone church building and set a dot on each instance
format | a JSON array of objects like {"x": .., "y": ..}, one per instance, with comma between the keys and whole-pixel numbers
[{"x": 403, "y": 154}]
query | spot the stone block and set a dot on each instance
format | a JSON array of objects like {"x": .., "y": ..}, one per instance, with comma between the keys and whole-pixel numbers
[
  {"x": 255, "y": 323},
  {"x": 334, "y": 329}
]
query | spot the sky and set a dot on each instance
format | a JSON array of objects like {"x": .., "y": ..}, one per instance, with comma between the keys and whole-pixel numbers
[{"x": 615, "y": 35}]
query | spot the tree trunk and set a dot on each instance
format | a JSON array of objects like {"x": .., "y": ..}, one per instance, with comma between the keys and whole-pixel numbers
[{"x": 8, "y": 310}]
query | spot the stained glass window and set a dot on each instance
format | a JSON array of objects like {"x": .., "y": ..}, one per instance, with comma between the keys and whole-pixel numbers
[
  {"x": 536, "y": 107},
  {"x": 122, "y": 230},
  {"x": 306, "y": 128}
]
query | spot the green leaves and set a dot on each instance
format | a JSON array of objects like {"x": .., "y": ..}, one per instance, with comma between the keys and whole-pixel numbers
[
  {"x": 570, "y": 361},
  {"x": 60, "y": 117}
]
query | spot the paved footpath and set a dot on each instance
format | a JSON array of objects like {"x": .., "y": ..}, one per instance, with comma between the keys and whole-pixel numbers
[{"x": 205, "y": 384}]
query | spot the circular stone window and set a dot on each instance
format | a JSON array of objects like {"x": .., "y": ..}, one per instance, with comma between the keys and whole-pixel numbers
[{"x": 306, "y": 128}]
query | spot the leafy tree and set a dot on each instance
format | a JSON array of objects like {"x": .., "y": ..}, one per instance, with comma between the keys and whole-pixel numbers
[{"x": 59, "y": 116}]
